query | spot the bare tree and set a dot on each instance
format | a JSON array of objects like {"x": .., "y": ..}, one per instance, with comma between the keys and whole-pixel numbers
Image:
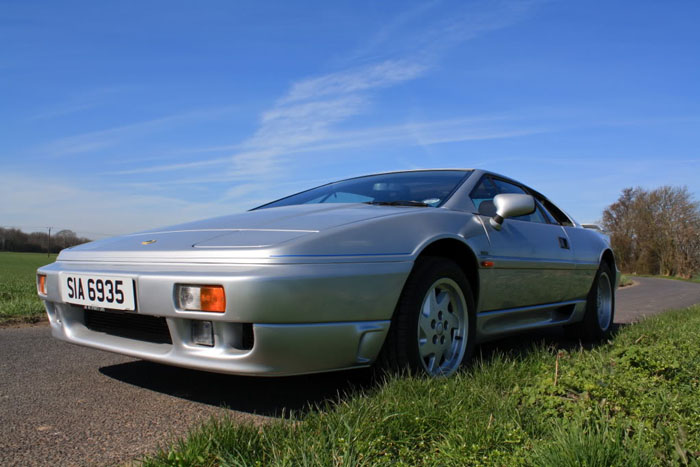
[
  {"x": 15, "y": 240},
  {"x": 65, "y": 238},
  {"x": 655, "y": 232}
]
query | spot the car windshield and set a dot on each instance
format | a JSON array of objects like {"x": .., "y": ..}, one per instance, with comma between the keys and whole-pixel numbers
[{"x": 427, "y": 188}]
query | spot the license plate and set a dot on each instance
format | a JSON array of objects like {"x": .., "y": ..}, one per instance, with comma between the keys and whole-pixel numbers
[{"x": 113, "y": 292}]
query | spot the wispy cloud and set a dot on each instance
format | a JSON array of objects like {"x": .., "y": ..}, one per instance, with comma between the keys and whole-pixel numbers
[
  {"x": 449, "y": 24},
  {"x": 405, "y": 134},
  {"x": 310, "y": 113},
  {"x": 352, "y": 81},
  {"x": 85, "y": 101},
  {"x": 314, "y": 110},
  {"x": 60, "y": 111},
  {"x": 323, "y": 112},
  {"x": 101, "y": 139}
]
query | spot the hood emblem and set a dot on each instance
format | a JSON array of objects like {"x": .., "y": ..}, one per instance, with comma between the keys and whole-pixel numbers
[{"x": 147, "y": 242}]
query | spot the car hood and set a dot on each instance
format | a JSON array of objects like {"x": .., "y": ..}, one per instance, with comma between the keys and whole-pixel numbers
[{"x": 246, "y": 234}]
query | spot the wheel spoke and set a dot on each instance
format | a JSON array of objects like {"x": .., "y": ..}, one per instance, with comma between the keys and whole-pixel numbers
[
  {"x": 438, "y": 356},
  {"x": 442, "y": 300},
  {"x": 452, "y": 320},
  {"x": 447, "y": 350},
  {"x": 426, "y": 347},
  {"x": 431, "y": 363},
  {"x": 424, "y": 323},
  {"x": 428, "y": 307},
  {"x": 441, "y": 327}
]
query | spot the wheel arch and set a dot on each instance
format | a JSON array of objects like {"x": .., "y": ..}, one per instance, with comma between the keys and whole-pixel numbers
[
  {"x": 608, "y": 258},
  {"x": 461, "y": 253}
]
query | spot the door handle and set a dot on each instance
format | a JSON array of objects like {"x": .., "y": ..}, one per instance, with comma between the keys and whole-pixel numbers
[{"x": 563, "y": 243}]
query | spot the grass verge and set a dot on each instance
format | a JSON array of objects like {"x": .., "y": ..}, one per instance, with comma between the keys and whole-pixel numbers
[
  {"x": 19, "y": 302},
  {"x": 626, "y": 280},
  {"x": 631, "y": 401},
  {"x": 630, "y": 277}
]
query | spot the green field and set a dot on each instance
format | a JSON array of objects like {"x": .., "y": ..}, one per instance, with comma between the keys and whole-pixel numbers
[
  {"x": 631, "y": 401},
  {"x": 19, "y": 302}
]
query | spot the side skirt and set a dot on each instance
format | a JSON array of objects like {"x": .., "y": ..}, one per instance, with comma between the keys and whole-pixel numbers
[{"x": 496, "y": 323}]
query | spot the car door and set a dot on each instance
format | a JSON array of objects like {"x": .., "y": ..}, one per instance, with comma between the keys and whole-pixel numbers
[{"x": 532, "y": 259}]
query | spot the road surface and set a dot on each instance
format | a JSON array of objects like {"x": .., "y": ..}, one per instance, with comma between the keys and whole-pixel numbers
[{"x": 69, "y": 405}]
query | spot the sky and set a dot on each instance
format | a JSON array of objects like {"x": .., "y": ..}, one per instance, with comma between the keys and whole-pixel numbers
[{"x": 122, "y": 116}]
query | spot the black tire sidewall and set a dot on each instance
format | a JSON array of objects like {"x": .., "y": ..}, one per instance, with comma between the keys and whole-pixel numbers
[
  {"x": 592, "y": 329},
  {"x": 426, "y": 272}
]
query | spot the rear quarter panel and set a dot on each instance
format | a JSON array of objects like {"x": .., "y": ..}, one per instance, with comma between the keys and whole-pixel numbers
[{"x": 588, "y": 247}]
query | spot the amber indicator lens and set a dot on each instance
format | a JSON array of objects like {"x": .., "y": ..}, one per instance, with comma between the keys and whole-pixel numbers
[
  {"x": 201, "y": 298},
  {"x": 41, "y": 283},
  {"x": 213, "y": 298}
]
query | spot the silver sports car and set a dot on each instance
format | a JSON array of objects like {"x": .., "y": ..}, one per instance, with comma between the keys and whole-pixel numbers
[{"x": 402, "y": 270}]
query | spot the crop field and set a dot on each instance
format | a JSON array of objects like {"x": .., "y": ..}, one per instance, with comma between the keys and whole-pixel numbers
[
  {"x": 630, "y": 401},
  {"x": 19, "y": 302}
]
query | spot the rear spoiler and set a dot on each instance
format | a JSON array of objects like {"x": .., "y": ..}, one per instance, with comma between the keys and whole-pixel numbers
[{"x": 593, "y": 227}]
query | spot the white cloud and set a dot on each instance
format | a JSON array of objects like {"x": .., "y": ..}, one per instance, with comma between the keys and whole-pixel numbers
[
  {"x": 78, "y": 103},
  {"x": 255, "y": 162},
  {"x": 426, "y": 31},
  {"x": 100, "y": 139},
  {"x": 350, "y": 81},
  {"x": 311, "y": 116},
  {"x": 311, "y": 111}
]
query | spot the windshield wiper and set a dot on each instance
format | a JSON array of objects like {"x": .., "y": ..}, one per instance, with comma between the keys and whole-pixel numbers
[{"x": 399, "y": 203}]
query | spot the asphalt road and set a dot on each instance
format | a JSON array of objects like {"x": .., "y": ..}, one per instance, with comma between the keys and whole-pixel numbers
[{"x": 68, "y": 405}]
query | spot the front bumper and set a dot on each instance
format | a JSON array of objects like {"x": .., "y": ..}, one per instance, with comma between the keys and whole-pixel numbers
[{"x": 305, "y": 318}]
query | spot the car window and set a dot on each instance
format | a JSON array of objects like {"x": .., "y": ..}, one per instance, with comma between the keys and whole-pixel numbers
[
  {"x": 545, "y": 213},
  {"x": 556, "y": 213},
  {"x": 482, "y": 196},
  {"x": 505, "y": 187},
  {"x": 428, "y": 188},
  {"x": 341, "y": 197}
]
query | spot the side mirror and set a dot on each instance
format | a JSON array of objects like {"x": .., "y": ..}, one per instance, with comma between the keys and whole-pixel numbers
[{"x": 511, "y": 205}]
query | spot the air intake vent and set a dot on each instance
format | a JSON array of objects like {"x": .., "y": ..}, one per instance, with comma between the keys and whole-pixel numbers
[{"x": 132, "y": 326}]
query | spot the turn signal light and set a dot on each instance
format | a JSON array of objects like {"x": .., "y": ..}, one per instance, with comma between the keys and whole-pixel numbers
[
  {"x": 201, "y": 298},
  {"x": 41, "y": 283},
  {"x": 213, "y": 298}
]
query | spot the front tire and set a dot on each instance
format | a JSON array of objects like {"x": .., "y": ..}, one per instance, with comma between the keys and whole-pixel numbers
[
  {"x": 600, "y": 309},
  {"x": 433, "y": 328}
]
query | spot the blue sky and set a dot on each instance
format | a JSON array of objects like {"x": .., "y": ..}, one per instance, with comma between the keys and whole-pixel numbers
[{"x": 120, "y": 116}]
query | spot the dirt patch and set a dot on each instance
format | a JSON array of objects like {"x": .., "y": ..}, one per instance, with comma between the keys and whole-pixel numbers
[{"x": 19, "y": 323}]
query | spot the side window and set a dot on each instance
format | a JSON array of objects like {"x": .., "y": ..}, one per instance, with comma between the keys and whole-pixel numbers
[
  {"x": 487, "y": 188},
  {"x": 545, "y": 213},
  {"x": 482, "y": 197},
  {"x": 505, "y": 187},
  {"x": 556, "y": 213}
]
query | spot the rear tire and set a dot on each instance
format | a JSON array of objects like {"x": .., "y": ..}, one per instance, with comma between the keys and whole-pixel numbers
[
  {"x": 598, "y": 319},
  {"x": 433, "y": 328}
]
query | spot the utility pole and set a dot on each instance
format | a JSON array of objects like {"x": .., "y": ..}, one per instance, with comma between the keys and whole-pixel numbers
[{"x": 48, "y": 248}]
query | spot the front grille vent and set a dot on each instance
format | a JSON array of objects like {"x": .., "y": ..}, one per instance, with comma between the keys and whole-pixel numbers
[{"x": 130, "y": 325}]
